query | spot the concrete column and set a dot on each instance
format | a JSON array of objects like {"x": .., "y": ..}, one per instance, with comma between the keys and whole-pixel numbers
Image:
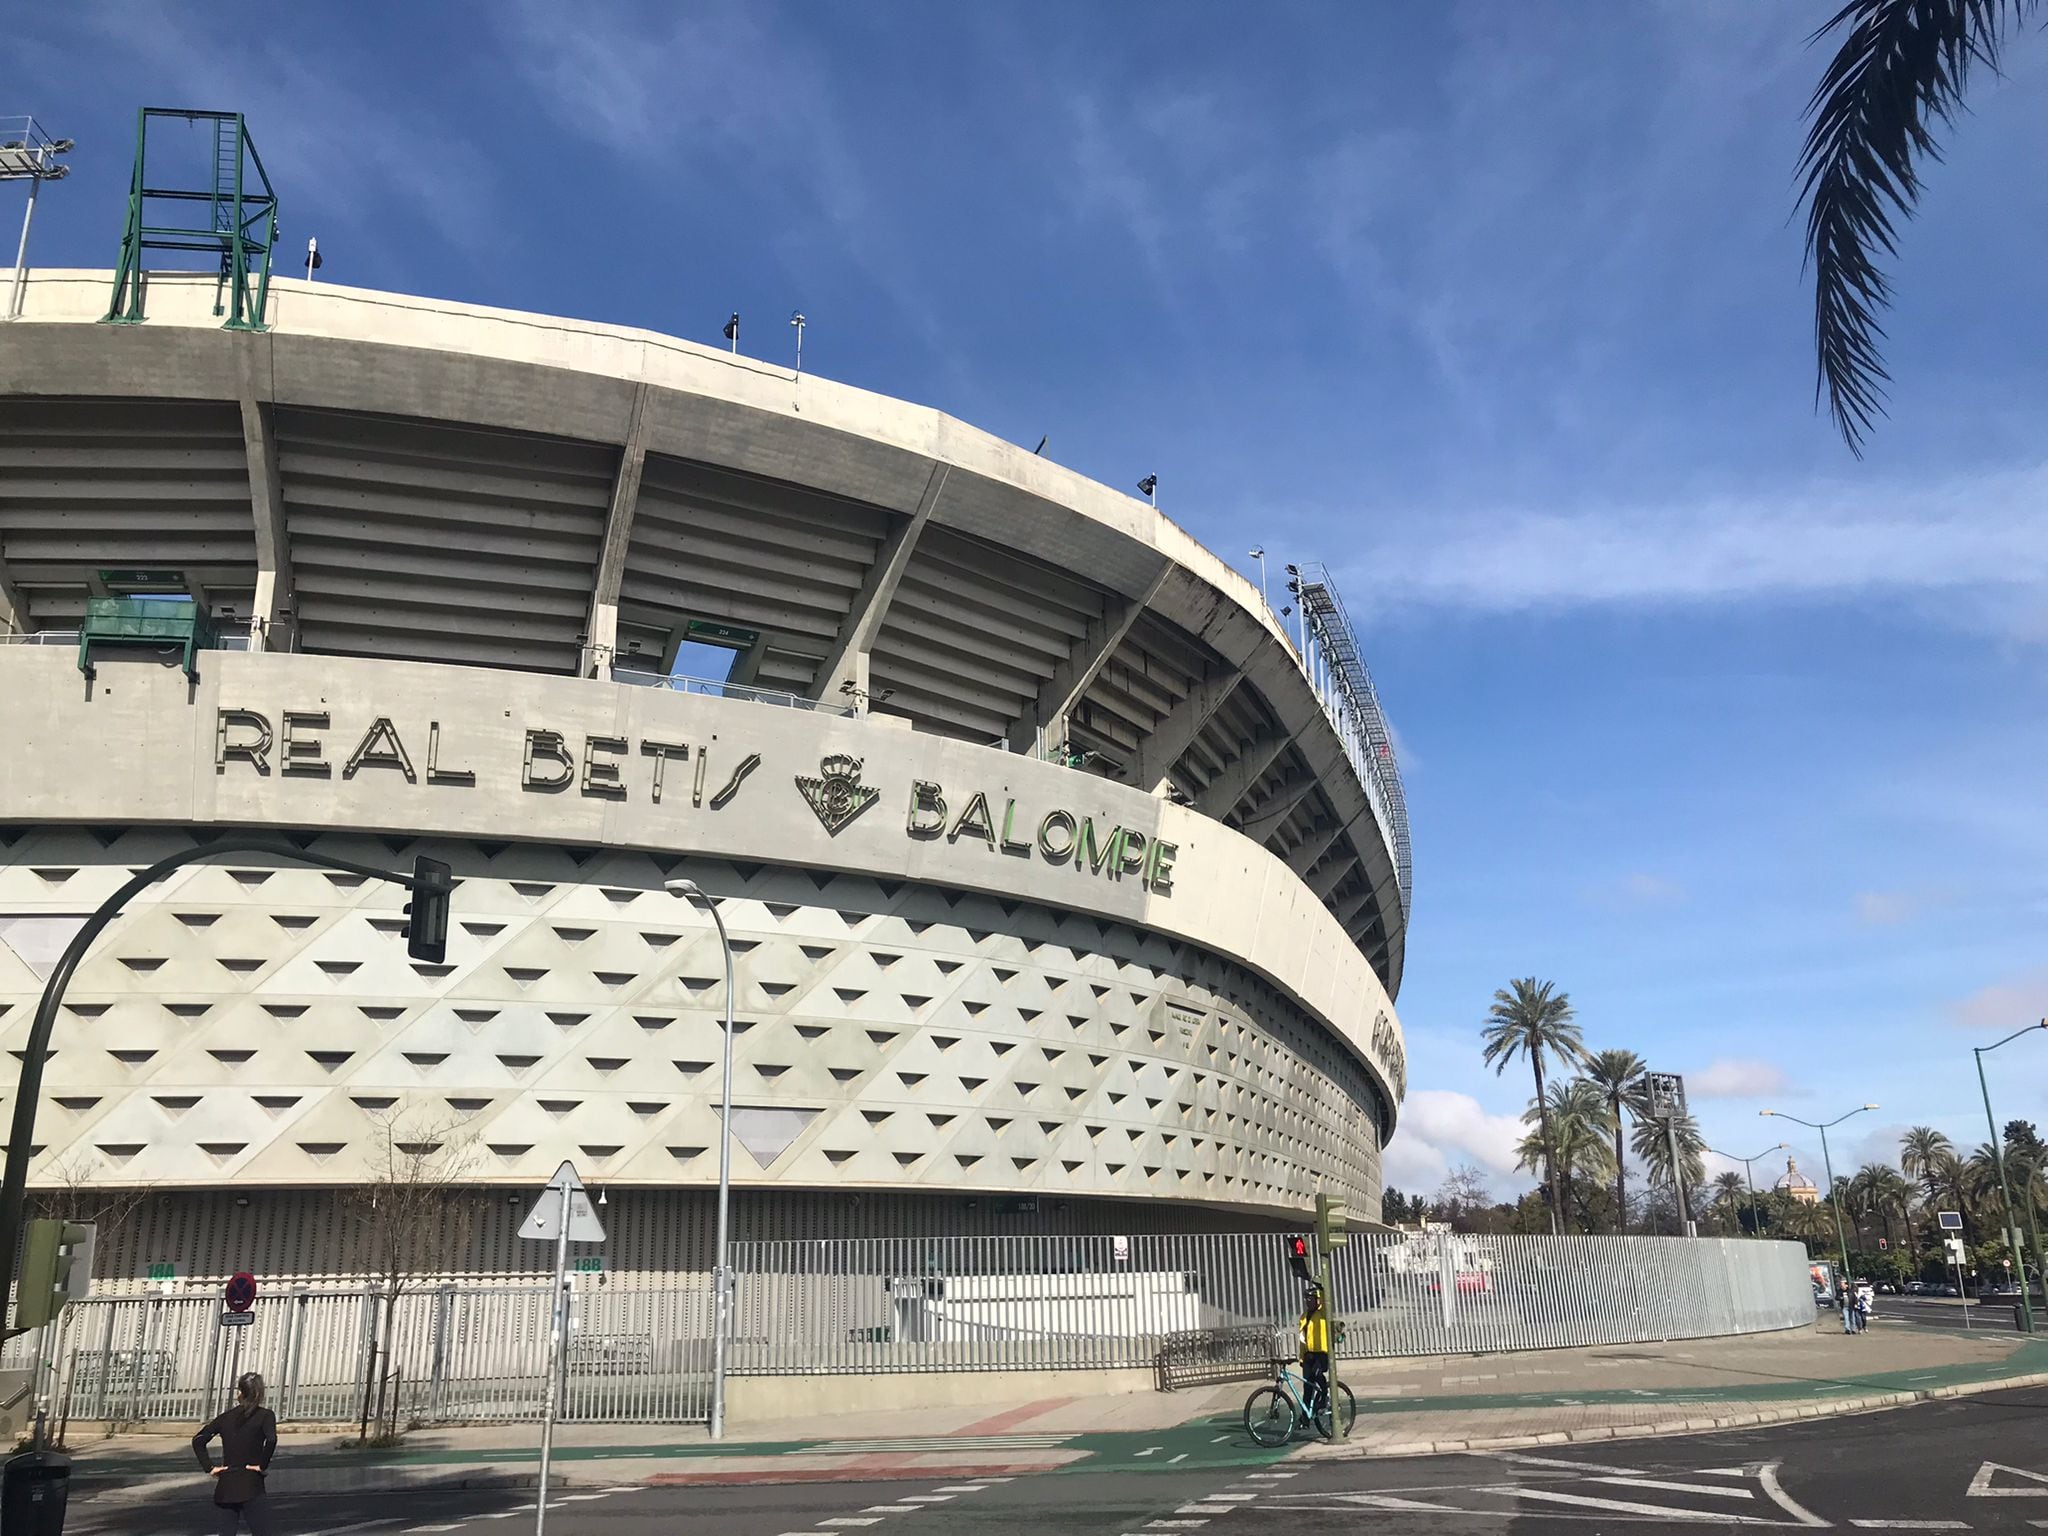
[
  {"x": 271, "y": 627},
  {"x": 845, "y": 667},
  {"x": 601, "y": 631},
  {"x": 1172, "y": 736},
  {"x": 13, "y": 610},
  {"x": 1230, "y": 786},
  {"x": 1072, "y": 678}
]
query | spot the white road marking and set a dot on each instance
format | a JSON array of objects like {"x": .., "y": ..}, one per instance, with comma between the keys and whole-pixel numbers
[
  {"x": 890, "y": 1509},
  {"x": 1234, "y": 1497},
  {"x": 1713, "y": 1490},
  {"x": 1912, "y": 1525},
  {"x": 1183, "y": 1456},
  {"x": 578, "y": 1498},
  {"x": 1521, "y": 1460},
  {"x": 1390, "y": 1501},
  {"x": 1175, "y": 1525},
  {"x": 1767, "y": 1475},
  {"x": 420, "y": 1530},
  {"x": 853, "y": 1520},
  {"x": 1719, "y": 1472},
  {"x": 927, "y": 1498},
  {"x": 1218, "y": 1439},
  {"x": 1150, "y": 1450},
  {"x": 1980, "y": 1485},
  {"x": 1624, "y": 1507},
  {"x": 1268, "y": 1477},
  {"x": 1205, "y": 1509},
  {"x": 962, "y": 1488}
]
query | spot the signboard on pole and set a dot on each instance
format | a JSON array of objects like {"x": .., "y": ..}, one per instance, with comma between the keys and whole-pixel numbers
[
  {"x": 544, "y": 1223},
  {"x": 562, "y": 1215},
  {"x": 1951, "y": 1221},
  {"x": 240, "y": 1292},
  {"x": 1665, "y": 1092}
]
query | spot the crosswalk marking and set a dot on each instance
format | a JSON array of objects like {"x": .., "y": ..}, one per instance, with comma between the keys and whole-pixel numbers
[
  {"x": 890, "y": 1509},
  {"x": 853, "y": 1520}
]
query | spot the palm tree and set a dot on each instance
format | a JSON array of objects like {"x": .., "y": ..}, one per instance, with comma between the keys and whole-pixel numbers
[
  {"x": 1578, "y": 1135},
  {"x": 1532, "y": 1017},
  {"x": 1920, "y": 1149},
  {"x": 1652, "y": 1145},
  {"x": 1729, "y": 1194},
  {"x": 1900, "y": 72},
  {"x": 1617, "y": 1074}
]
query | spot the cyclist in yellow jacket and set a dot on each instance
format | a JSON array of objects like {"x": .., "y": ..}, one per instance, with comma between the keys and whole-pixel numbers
[{"x": 1315, "y": 1349}]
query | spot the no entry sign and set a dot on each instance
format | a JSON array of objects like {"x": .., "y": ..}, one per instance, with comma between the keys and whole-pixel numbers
[{"x": 241, "y": 1291}]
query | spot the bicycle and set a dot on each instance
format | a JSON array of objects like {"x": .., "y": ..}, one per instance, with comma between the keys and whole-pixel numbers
[{"x": 1272, "y": 1415}]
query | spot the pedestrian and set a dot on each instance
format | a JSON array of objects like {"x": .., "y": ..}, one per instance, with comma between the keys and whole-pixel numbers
[
  {"x": 1846, "y": 1300},
  {"x": 248, "y": 1439},
  {"x": 1863, "y": 1295},
  {"x": 1315, "y": 1351}
]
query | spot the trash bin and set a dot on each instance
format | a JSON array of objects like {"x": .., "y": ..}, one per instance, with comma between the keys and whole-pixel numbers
[{"x": 33, "y": 1488}]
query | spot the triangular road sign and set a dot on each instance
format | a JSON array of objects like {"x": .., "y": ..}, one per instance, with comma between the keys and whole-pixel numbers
[
  {"x": 544, "y": 1222},
  {"x": 1981, "y": 1485},
  {"x": 565, "y": 1177}
]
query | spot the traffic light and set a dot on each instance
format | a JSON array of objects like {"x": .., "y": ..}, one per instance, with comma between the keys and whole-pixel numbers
[
  {"x": 1330, "y": 1222},
  {"x": 426, "y": 915},
  {"x": 1883, "y": 1244},
  {"x": 56, "y": 1269},
  {"x": 1297, "y": 1258}
]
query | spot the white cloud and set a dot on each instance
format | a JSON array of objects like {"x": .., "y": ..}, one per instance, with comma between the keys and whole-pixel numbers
[
  {"x": 1886, "y": 909},
  {"x": 1637, "y": 891},
  {"x": 1440, "y": 1129},
  {"x": 1983, "y": 531},
  {"x": 2010, "y": 1003},
  {"x": 1729, "y": 1077}
]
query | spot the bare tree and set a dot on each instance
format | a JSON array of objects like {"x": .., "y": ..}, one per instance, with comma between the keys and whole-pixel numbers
[
  {"x": 76, "y": 1194},
  {"x": 411, "y": 1219}
]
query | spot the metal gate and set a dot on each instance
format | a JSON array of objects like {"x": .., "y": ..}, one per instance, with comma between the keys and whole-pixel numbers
[{"x": 438, "y": 1354}]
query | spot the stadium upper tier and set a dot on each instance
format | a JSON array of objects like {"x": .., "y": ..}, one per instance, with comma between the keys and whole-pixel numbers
[{"x": 384, "y": 476}]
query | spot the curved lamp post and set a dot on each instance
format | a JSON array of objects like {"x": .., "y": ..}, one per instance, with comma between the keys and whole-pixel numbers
[
  {"x": 1755, "y": 1220},
  {"x": 1828, "y": 1163},
  {"x": 721, "y": 1280},
  {"x": 2019, "y": 1254}
]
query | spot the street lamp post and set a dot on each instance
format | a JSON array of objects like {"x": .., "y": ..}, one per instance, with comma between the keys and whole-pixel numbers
[
  {"x": 2019, "y": 1256},
  {"x": 721, "y": 1280},
  {"x": 1755, "y": 1221},
  {"x": 1828, "y": 1164}
]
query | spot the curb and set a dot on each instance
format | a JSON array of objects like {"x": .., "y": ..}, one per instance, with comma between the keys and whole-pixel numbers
[{"x": 1749, "y": 1418}]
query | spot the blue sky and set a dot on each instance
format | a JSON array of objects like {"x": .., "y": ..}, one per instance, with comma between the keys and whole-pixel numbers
[{"x": 1495, "y": 309}]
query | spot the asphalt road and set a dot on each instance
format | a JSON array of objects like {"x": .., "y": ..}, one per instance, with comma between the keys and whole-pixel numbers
[
  {"x": 1967, "y": 1464},
  {"x": 1948, "y": 1312}
]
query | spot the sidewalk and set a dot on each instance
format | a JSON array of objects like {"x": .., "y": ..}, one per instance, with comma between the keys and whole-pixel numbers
[{"x": 1406, "y": 1407}]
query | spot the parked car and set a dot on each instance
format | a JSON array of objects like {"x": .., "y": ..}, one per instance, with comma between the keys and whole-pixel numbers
[
  {"x": 1916, "y": 1288},
  {"x": 1946, "y": 1290}
]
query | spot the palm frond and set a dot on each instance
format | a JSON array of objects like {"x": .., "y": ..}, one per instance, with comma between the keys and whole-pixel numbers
[{"x": 1901, "y": 69}]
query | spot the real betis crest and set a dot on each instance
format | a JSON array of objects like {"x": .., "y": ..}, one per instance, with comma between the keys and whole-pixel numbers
[{"x": 837, "y": 794}]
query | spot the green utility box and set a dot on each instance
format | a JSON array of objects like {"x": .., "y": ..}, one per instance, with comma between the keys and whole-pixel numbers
[{"x": 161, "y": 622}]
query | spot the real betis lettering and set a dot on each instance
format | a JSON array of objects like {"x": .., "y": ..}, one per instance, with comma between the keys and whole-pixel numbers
[{"x": 1059, "y": 837}]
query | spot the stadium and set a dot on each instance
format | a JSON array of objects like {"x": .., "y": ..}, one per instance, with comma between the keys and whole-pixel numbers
[{"x": 1066, "y": 881}]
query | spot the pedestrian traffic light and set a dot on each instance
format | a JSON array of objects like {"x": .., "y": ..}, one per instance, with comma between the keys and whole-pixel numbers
[
  {"x": 426, "y": 915},
  {"x": 1883, "y": 1245},
  {"x": 1297, "y": 1257},
  {"x": 1330, "y": 1222},
  {"x": 56, "y": 1269}
]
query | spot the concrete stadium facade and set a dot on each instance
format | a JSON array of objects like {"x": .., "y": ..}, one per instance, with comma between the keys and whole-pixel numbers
[{"x": 1141, "y": 983}]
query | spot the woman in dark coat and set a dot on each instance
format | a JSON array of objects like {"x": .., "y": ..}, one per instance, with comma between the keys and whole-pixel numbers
[{"x": 248, "y": 1439}]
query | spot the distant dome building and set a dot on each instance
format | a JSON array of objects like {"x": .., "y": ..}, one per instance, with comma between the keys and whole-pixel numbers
[{"x": 1797, "y": 1184}]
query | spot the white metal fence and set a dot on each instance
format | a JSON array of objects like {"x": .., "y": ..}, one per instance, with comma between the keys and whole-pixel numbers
[{"x": 465, "y": 1352}]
